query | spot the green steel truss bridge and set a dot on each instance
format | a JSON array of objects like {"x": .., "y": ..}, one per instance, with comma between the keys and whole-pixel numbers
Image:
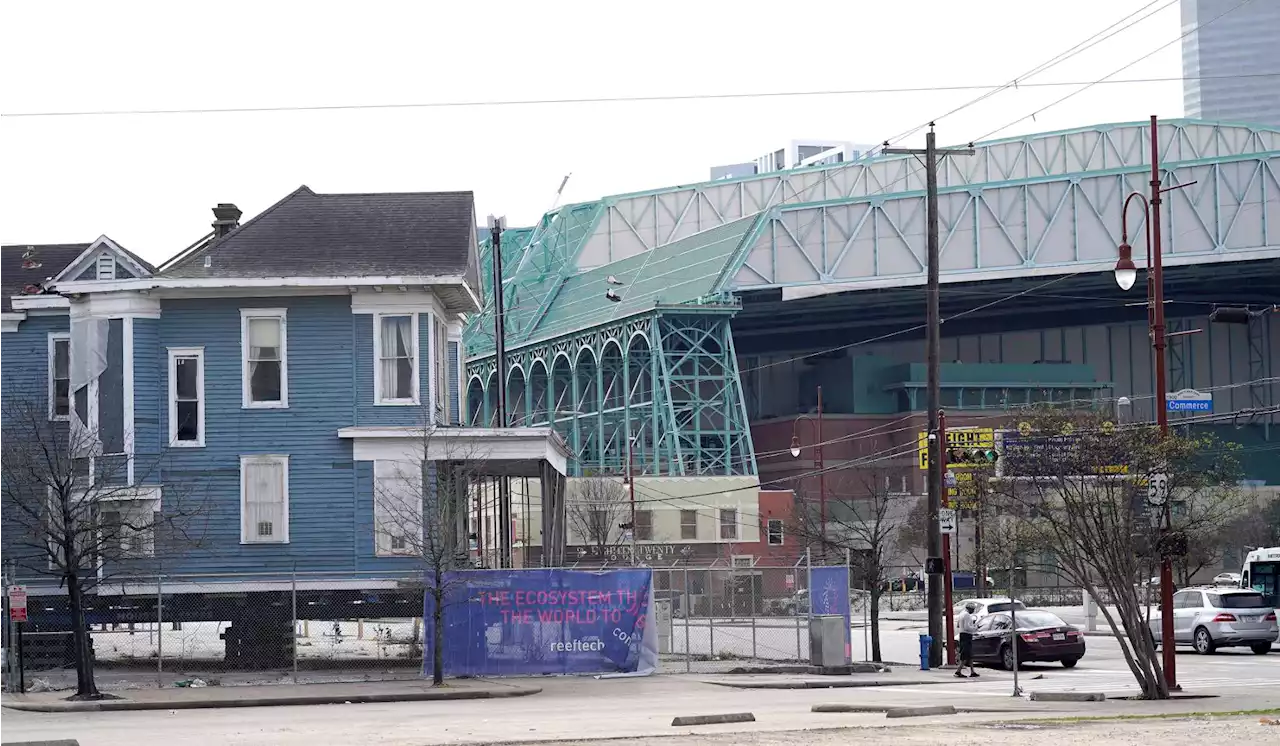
[{"x": 658, "y": 369}]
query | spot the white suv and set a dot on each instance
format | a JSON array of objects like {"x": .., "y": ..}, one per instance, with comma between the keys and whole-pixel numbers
[{"x": 1212, "y": 618}]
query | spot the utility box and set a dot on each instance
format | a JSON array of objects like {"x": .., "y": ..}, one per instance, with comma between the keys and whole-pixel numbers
[
  {"x": 826, "y": 641},
  {"x": 663, "y": 616}
]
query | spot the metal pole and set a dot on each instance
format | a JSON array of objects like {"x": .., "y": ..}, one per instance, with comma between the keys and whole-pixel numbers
[
  {"x": 502, "y": 531},
  {"x": 822, "y": 483},
  {"x": 946, "y": 546},
  {"x": 631, "y": 485},
  {"x": 159, "y": 631},
  {"x": 933, "y": 355},
  {"x": 1013, "y": 633},
  {"x": 293, "y": 619},
  {"x": 22, "y": 667},
  {"x": 688, "y": 613},
  {"x": 808, "y": 583},
  {"x": 753, "y": 614},
  {"x": 1156, "y": 280},
  {"x": 711, "y": 610}
]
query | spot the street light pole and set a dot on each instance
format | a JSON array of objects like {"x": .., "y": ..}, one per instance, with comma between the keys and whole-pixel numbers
[
  {"x": 818, "y": 464},
  {"x": 1126, "y": 273},
  {"x": 631, "y": 487}
]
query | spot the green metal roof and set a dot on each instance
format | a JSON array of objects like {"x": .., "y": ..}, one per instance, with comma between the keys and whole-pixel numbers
[{"x": 679, "y": 272}]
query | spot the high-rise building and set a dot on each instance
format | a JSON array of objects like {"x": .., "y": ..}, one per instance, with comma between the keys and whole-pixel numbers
[
  {"x": 1229, "y": 62},
  {"x": 796, "y": 154}
]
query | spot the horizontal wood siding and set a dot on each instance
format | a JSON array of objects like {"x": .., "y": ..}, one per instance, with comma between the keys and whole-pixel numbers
[
  {"x": 149, "y": 362},
  {"x": 321, "y": 471}
]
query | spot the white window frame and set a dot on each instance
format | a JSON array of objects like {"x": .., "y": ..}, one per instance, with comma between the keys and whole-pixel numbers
[
  {"x": 768, "y": 532},
  {"x": 281, "y": 314},
  {"x": 109, "y": 262},
  {"x": 415, "y": 383},
  {"x": 720, "y": 516},
  {"x": 380, "y": 517},
  {"x": 54, "y": 338},
  {"x": 247, "y": 537},
  {"x": 174, "y": 354}
]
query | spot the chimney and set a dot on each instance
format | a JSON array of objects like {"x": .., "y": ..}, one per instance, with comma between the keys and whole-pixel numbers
[{"x": 227, "y": 219}]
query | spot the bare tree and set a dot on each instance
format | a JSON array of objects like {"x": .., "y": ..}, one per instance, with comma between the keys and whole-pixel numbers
[
  {"x": 71, "y": 514},
  {"x": 596, "y": 508},
  {"x": 864, "y": 522},
  {"x": 1078, "y": 486},
  {"x": 420, "y": 512}
]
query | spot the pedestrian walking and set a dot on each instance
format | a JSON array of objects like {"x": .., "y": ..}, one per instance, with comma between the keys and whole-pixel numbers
[{"x": 967, "y": 625}]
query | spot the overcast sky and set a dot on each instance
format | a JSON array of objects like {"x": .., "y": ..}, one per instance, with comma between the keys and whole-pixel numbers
[{"x": 149, "y": 181}]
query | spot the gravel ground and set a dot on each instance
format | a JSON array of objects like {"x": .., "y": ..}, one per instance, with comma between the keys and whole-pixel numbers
[{"x": 1191, "y": 731}]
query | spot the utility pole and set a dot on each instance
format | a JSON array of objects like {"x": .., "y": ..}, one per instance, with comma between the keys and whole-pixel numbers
[
  {"x": 631, "y": 489},
  {"x": 936, "y": 488},
  {"x": 503, "y": 529}
]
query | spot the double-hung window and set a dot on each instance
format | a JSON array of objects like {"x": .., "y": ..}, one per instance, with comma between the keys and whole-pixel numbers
[
  {"x": 59, "y": 376},
  {"x": 186, "y": 397},
  {"x": 395, "y": 374},
  {"x": 264, "y": 351},
  {"x": 728, "y": 523},
  {"x": 264, "y": 499},
  {"x": 773, "y": 531},
  {"x": 397, "y": 508},
  {"x": 688, "y": 524}
]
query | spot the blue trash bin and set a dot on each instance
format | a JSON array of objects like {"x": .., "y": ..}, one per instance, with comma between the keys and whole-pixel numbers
[{"x": 926, "y": 642}]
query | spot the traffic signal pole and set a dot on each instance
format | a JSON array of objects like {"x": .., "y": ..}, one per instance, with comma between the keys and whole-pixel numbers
[{"x": 946, "y": 543}]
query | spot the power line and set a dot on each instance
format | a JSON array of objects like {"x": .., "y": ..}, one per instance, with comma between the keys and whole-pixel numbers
[
  {"x": 990, "y": 88},
  {"x": 1104, "y": 79}
]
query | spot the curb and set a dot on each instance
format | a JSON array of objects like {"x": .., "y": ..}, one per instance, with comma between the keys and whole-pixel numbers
[
  {"x": 912, "y": 712},
  {"x": 733, "y": 717},
  {"x": 847, "y": 708},
  {"x": 832, "y": 684},
  {"x": 108, "y": 705},
  {"x": 1068, "y": 697}
]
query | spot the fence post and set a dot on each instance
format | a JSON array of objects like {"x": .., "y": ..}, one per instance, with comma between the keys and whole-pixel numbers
[
  {"x": 293, "y": 618},
  {"x": 711, "y": 613},
  {"x": 687, "y": 608},
  {"x": 159, "y": 631},
  {"x": 752, "y": 611},
  {"x": 795, "y": 609}
]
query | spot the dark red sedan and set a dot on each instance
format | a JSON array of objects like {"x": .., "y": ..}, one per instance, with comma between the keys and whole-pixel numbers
[{"x": 1042, "y": 638}]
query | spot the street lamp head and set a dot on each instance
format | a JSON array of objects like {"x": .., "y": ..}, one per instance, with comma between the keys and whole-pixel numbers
[
  {"x": 613, "y": 296},
  {"x": 1126, "y": 270},
  {"x": 795, "y": 446},
  {"x": 613, "y": 280}
]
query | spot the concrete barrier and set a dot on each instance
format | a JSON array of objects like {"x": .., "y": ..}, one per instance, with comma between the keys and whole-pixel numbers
[
  {"x": 732, "y": 717},
  {"x": 1068, "y": 697},
  {"x": 913, "y": 712}
]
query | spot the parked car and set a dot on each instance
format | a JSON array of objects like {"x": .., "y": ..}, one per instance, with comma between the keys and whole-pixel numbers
[
  {"x": 1227, "y": 578},
  {"x": 989, "y": 606},
  {"x": 1042, "y": 638},
  {"x": 798, "y": 603},
  {"x": 1215, "y": 617}
]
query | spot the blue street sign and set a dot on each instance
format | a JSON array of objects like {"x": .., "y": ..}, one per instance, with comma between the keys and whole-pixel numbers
[{"x": 1188, "y": 400}]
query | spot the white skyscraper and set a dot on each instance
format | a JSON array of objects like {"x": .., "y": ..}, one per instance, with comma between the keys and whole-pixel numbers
[{"x": 1226, "y": 62}]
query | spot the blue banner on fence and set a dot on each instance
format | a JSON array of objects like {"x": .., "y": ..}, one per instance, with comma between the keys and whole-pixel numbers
[
  {"x": 527, "y": 622},
  {"x": 830, "y": 595}
]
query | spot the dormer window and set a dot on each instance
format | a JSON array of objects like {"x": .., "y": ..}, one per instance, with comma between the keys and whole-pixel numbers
[{"x": 106, "y": 267}]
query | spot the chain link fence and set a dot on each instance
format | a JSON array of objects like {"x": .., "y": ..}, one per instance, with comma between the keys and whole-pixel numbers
[{"x": 307, "y": 627}]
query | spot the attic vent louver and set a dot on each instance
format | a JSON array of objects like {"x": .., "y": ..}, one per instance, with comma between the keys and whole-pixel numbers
[{"x": 208, "y": 262}]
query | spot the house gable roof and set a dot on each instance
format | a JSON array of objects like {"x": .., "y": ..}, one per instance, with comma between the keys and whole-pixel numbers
[
  {"x": 344, "y": 235},
  {"x": 22, "y": 265},
  {"x": 134, "y": 263}
]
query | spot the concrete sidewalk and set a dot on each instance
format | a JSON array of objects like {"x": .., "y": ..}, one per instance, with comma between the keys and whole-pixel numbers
[
  {"x": 269, "y": 696},
  {"x": 810, "y": 681}
]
